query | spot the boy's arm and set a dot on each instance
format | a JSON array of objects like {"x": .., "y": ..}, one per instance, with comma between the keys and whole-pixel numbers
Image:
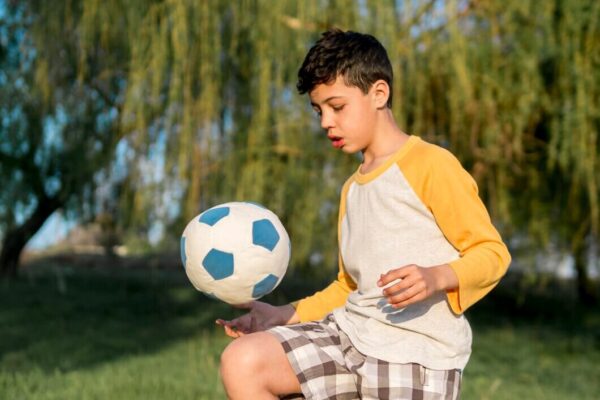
[
  {"x": 452, "y": 196},
  {"x": 321, "y": 303},
  {"x": 262, "y": 316}
]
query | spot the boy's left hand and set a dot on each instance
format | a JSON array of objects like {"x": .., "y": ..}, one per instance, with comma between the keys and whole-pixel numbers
[
  {"x": 261, "y": 316},
  {"x": 416, "y": 283}
]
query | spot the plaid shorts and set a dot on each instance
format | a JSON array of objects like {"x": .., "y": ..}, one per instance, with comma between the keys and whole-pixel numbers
[{"x": 329, "y": 367}]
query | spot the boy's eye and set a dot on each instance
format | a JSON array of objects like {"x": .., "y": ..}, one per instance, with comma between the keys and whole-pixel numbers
[
  {"x": 318, "y": 111},
  {"x": 338, "y": 108}
]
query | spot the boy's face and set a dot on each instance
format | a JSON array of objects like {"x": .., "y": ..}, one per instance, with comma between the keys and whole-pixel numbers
[{"x": 346, "y": 113}]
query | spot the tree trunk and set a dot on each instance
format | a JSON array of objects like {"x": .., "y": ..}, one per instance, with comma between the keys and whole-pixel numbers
[
  {"x": 587, "y": 290},
  {"x": 16, "y": 239}
]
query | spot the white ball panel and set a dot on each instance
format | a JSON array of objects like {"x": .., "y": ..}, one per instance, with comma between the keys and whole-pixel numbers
[{"x": 233, "y": 234}]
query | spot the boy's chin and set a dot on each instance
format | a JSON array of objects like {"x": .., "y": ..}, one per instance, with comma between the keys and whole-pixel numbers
[{"x": 350, "y": 149}]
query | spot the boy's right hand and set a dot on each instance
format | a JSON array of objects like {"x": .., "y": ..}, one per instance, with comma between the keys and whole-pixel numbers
[{"x": 261, "y": 316}]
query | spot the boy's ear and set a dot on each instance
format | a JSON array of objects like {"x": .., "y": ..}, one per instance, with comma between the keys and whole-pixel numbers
[{"x": 381, "y": 93}]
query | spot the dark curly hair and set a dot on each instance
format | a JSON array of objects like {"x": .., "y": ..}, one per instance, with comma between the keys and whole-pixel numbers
[{"x": 359, "y": 58}]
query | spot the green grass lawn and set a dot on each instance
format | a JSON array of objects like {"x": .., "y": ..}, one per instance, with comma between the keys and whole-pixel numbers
[{"x": 69, "y": 333}]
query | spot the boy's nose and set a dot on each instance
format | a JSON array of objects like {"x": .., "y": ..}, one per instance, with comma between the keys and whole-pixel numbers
[{"x": 326, "y": 122}]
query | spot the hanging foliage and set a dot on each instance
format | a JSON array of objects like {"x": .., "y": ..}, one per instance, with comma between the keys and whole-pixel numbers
[{"x": 511, "y": 87}]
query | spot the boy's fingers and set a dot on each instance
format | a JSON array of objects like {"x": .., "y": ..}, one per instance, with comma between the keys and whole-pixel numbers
[
  {"x": 416, "y": 292},
  {"x": 407, "y": 302},
  {"x": 230, "y": 332},
  {"x": 233, "y": 332},
  {"x": 394, "y": 274},
  {"x": 223, "y": 323},
  {"x": 404, "y": 295},
  {"x": 401, "y": 286},
  {"x": 386, "y": 278},
  {"x": 231, "y": 329}
]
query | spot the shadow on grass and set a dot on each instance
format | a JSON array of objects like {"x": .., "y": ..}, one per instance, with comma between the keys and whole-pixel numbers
[
  {"x": 67, "y": 314},
  {"x": 65, "y": 318},
  {"x": 534, "y": 342},
  {"x": 56, "y": 317},
  {"x": 548, "y": 320}
]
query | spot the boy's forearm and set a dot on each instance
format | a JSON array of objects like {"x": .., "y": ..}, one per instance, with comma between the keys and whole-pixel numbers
[
  {"x": 445, "y": 277},
  {"x": 478, "y": 272},
  {"x": 321, "y": 303},
  {"x": 290, "y": 314}
]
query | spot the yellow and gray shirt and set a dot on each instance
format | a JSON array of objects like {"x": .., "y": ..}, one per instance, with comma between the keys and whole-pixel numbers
[{"x": 419, "y": 207}]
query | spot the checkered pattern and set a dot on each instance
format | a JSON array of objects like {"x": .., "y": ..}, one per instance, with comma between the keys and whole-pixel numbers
[{"x": 329, "y": 367}]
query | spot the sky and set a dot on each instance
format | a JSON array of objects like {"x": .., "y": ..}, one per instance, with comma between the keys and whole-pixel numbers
[{"x": 53, "y": 231}]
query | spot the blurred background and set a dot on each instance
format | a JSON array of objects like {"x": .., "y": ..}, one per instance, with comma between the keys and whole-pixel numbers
[{"x": 122, "y": 120}]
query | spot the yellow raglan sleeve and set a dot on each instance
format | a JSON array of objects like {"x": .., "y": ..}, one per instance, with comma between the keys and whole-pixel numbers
[
  {"x": 321, "y": 303},
  {"x": 452, "y": 196}
]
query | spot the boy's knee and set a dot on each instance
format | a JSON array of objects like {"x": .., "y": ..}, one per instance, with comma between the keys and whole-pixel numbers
[
  {"x": 256, "y": 363},
  {"x": 240, "y": 356}
]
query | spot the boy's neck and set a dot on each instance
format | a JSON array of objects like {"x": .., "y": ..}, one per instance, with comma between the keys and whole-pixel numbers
[{"x": 387, "y": 140}]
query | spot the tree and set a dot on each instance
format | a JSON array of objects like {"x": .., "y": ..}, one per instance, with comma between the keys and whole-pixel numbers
[
  {"x": 538, "y": 94},
  {"x": 201, "y": 95},
  {"x": 58, "y": 128},
  {"x": 510, "y": 87}
]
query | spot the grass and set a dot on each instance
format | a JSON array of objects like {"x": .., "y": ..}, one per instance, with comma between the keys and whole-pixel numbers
[
  {"x": 74, "y": 333},
  {"x": 544, "y": 346}
]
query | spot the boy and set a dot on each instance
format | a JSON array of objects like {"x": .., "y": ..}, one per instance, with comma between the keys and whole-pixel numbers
[{"x": 416, "y": 245}]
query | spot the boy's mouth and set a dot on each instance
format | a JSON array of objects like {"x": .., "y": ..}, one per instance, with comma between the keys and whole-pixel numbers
[{"x": 336, "y": 141}]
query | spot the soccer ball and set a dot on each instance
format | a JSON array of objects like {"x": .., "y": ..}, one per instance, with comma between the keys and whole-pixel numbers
[{"x": 235, "y": 252}]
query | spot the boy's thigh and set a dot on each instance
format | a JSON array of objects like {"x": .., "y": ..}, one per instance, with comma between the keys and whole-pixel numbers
[
  {"x": 379, "y": 379},
  {"x": 314, "y": 352},
  {"x": 328, "y": 366}
]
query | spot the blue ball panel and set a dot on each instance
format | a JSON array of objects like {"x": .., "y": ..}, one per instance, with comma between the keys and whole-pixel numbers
[
  {"x": 211, "y": 217},
  {"x": 218, "y": 264},
  {"x": 265, "y": 286},
  {"x": 264, "y": 234},
  {"x": 182, "y": 250}
]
